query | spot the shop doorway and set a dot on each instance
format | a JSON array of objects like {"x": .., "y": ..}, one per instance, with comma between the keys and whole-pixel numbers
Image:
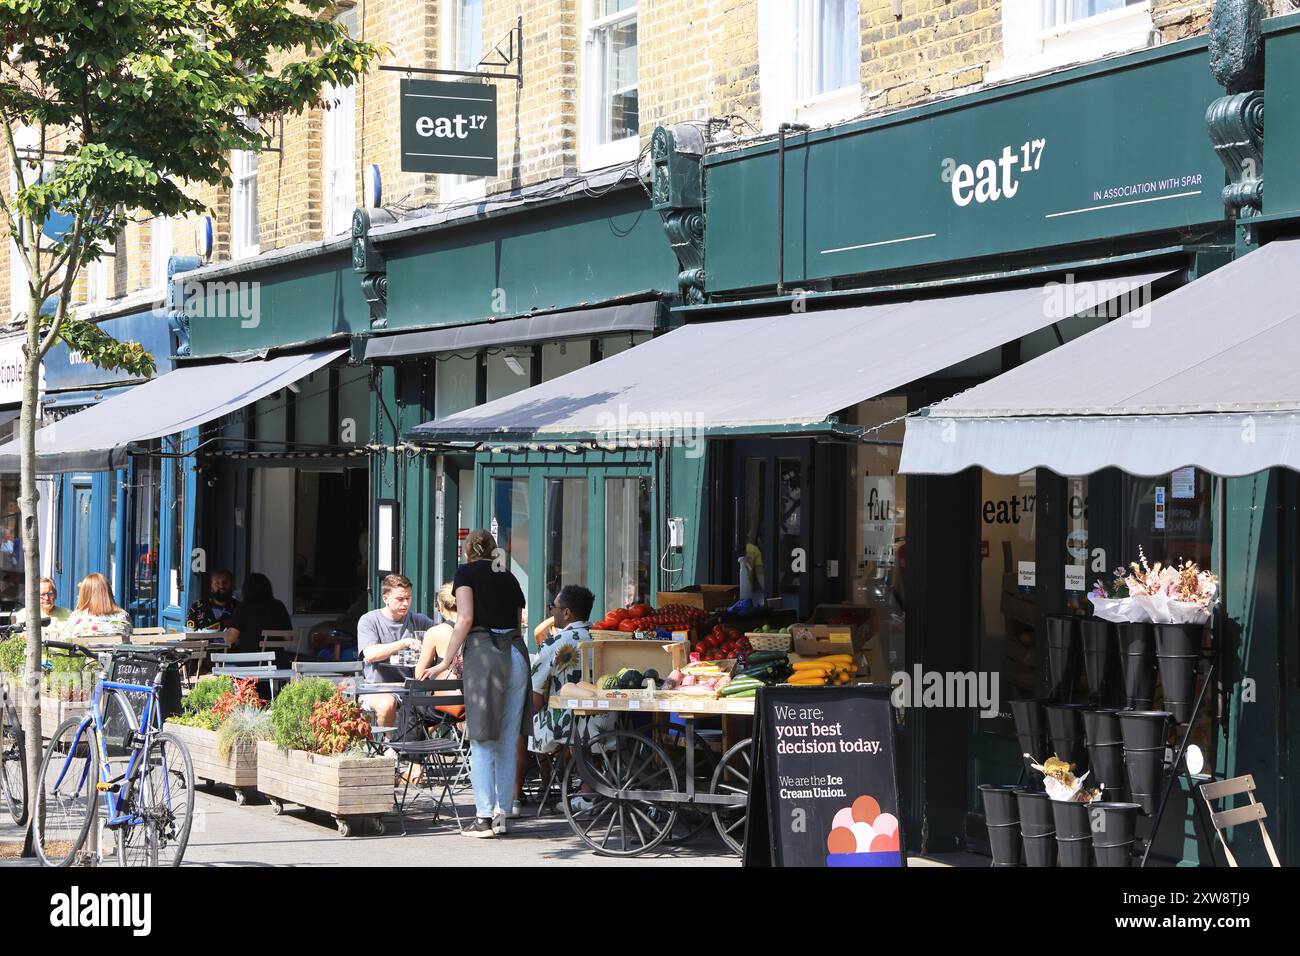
[
  {"x": 768, "y": 548},
  {"x": 310, "y": 536}
]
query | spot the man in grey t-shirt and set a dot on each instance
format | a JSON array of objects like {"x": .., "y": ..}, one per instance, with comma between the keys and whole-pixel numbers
[{"x": 382, "y": 633}]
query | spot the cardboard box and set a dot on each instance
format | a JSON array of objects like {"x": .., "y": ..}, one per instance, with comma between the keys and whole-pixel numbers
[
  {"x": 858, "y": 637},
  {"x": 707, "y": 597},
  {"x": 609, "y": 657}
]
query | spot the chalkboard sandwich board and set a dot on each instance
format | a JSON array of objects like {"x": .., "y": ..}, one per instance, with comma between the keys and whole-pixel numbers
[{"x": 824, "y": 788}]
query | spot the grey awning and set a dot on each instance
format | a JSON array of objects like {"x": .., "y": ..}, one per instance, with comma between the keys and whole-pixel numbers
[
  {"x": 576, "y": 323},
  {"x": 97, "y": 439},
  {"x": 1204, "y": 376},
  {"x": 769, "y": 374}
]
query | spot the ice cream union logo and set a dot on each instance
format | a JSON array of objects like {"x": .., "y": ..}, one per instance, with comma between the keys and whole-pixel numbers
[{"x": 863, "y": 835}]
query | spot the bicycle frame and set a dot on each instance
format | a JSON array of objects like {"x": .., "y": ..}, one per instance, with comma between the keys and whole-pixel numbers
[{"x": 93, "y": 719}]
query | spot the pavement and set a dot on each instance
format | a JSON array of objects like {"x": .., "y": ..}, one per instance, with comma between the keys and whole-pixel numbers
[{"x": 227, "y": 835}]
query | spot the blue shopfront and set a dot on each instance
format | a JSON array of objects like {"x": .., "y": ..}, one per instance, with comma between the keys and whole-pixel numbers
[{"x": 133, "y": 524}]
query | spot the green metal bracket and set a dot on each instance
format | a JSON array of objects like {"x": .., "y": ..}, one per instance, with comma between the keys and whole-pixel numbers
[
  {"x": 677, "y": 195},
  {"x": 368, "y": 260},
  {"x": 1236, "y": 122}
]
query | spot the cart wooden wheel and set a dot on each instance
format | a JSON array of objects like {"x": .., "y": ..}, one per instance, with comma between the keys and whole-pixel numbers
[
  {"x": 277, "y": 806},
  {"x": 614, "y": 763},
  {"x": 732, "y": 779}
]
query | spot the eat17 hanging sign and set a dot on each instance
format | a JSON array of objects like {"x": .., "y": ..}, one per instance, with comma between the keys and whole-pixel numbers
[{"x": 449, "y": 127}]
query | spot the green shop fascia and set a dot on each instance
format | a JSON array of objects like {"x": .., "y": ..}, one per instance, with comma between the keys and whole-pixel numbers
[
  {"x": 710, "y": 383},
  {"x": 832, "y": 283}
]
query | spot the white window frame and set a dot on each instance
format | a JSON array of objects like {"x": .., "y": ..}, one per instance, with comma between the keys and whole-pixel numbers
[
  {"x": 1029, "y": 47},
  {"x": 245, "y": 234},
  {"x": 778, "y": 62},
  {"x": 160, "y": 251},
  {"x": 96, "y": 282},
  {"x": 596, "y": 155},
  {"x": 453, "y": 187},
  {"x": 338, "y": 152}
]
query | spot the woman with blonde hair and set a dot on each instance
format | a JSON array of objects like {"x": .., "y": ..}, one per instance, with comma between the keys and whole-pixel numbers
[
  {"x": 497, "y": 712},
  {"x": 438, "y": 637},
  {"x": 97, "y": 616}
]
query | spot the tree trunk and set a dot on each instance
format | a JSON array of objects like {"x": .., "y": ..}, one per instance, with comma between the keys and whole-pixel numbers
[{"x": 27, "y": 503}]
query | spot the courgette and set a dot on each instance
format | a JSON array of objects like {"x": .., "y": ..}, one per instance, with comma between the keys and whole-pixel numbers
[
  {"x": 744, "y": 694},
  {"x": 740, "y": 687},
  {"x": 763, "y": 657}
]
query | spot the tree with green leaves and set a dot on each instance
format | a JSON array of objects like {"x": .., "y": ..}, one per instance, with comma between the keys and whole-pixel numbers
[{"x": 113, "y": 109}]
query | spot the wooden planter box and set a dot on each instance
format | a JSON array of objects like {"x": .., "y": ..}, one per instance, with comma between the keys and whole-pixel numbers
[
  {"x": 55, "y": 711},
  {"x": 238, "y": 771},
  {"x": 350, "y": 789}
]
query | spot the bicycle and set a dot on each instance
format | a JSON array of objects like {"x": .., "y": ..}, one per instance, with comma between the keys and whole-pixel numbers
[
  {"x": 149, "y": 805},
  {"x": 13, "y": 744}
]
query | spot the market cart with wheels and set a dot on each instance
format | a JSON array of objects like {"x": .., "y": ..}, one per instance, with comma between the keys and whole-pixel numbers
[{"x": 631, "y": 787}]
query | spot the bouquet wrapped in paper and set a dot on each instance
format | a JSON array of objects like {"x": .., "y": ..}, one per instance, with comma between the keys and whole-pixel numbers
[
  {"x": 1178, "y": 594},
  {"x": 1060, "y": 782},
  {"x": 1113, "y": 603}
]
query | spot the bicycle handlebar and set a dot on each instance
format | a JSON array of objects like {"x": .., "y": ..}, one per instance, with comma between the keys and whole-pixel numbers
[
  {"x": 78, "y": 648},
  {"x": 9, "y": 630}
]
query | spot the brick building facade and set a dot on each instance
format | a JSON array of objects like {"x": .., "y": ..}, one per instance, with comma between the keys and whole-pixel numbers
[{"x": 693, "y": 61}]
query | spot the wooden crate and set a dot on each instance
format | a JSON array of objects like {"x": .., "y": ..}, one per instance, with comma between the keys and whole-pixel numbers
[
  {"x": 608, "y": 657},
  {"x": 342, "y": 786},
  {"x": 239, "y": 770},
  {"x": 55, "y": 711}
]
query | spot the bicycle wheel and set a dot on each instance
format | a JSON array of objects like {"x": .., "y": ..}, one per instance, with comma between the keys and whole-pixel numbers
[
  {"x": 64, "y": 799},
  {"x": 169, "y": 789},
  {"x": 13, "y": 763}
]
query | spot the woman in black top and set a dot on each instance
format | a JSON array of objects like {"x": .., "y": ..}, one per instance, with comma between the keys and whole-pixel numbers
[
  {"x": 495, "y": 667},
  {"x": 258, "y": 611}
]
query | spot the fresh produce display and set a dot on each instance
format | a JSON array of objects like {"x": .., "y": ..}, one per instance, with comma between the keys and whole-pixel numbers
[
  {"x": 769, "y": 629},
  {"x": 768, "y": 667},
  {"x": 628, "y": 678},
  {"x": 699, "y": 679},
  {"x": 723, "y": 643},
  {"x": 833, "y": 669},
  {"x": 642, "y": 617}
]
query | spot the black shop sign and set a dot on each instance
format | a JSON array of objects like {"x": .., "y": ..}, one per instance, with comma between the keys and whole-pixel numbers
[
  {"x": 824, "y": 788},
  {"x": 449, "y": 127}
]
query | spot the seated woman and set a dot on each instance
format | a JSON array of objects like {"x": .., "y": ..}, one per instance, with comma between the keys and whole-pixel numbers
[
  {"x": 434, "y": 648},
  {"x": 438, "y": 637},
  {"x": 97, "y": 616},
  {"x": 259, "y": 610}
]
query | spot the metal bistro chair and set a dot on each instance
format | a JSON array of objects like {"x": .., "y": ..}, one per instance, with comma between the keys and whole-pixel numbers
[
  {"x": 441, "y": 757},
  {"x": 337, "y": 671},
  {"x": 258, "y": 664},
  {"x": 1252, "y": 812},
  {"x": 284, "y": 643}
]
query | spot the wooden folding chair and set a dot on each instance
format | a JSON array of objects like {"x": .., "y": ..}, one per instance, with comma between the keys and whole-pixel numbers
[
  {"x": 143, "y": 635},
  {"x": 1251, "y": 812}
]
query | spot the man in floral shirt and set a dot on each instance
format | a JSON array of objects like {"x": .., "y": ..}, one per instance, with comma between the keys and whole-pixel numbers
[{"x": 213, "y": 613}]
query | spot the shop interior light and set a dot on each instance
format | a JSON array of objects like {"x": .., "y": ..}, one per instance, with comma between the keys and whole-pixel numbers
[{"x": 512, "y": 363}]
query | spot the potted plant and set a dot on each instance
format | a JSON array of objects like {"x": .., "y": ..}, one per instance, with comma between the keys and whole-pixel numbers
[
  {"x": 66, "y": 688},
  {"x": 318, "y": 757},
  {"x": 221, "y": 722}
]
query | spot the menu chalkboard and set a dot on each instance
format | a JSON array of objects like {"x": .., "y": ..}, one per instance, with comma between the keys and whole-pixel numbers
[
  {"x": 138, "y": 667},
  {"x": 824, "y": 788}
]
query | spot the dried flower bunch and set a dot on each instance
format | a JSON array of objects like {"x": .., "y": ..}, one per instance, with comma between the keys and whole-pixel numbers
[
  {"x": 1118, "y": 587},
  {"x": 1186, "y": 582}
]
